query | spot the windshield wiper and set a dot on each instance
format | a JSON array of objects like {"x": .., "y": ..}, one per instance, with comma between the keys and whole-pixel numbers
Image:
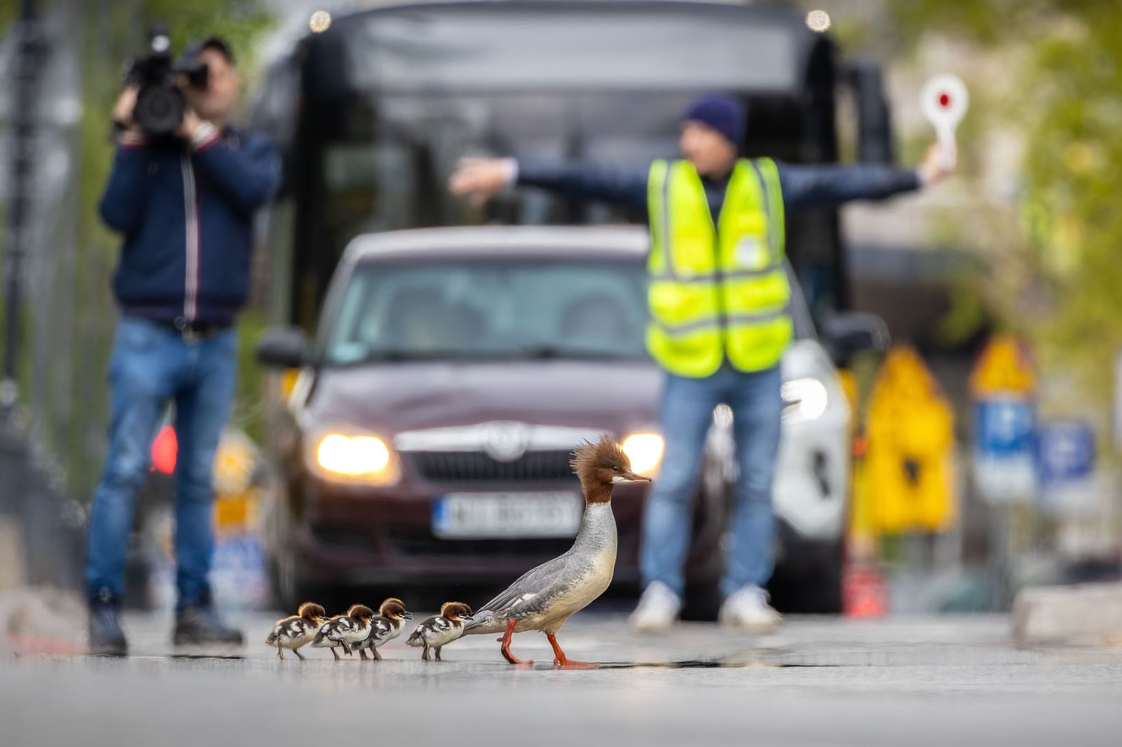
[
  {"x": 557, "y": 352},
  {"x": 400, "y": 355},
  {"x": 537, "y": 352}
]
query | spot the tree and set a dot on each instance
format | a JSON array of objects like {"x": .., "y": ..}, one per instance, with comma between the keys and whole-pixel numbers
[{"x": 1061, "y": 94}]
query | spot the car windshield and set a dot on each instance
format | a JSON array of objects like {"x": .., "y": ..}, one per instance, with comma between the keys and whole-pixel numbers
[{"x": 491, "y": 309}]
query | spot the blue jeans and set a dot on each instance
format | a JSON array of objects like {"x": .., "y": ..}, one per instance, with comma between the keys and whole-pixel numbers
[
  {"x": 150, "y": 366},
  {"x": 687, "y": 412}
]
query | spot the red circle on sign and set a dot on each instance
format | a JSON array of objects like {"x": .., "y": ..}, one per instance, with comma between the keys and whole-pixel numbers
[{"x": 944, "y": 100}]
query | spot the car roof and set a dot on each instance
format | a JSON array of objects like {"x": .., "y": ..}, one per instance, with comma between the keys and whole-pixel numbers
[{"x": 593, "y": 242}]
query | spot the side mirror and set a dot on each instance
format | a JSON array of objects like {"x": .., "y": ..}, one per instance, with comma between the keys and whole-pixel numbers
[
  {"x": 284, "y": 347},
  {"x": 848, "y": 333}
]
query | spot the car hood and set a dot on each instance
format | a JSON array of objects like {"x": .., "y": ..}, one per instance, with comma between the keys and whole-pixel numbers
[{"x": 390, "y": 398}]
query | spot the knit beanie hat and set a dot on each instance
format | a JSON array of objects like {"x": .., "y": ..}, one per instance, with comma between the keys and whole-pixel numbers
[{"x": 723, "y": 113}]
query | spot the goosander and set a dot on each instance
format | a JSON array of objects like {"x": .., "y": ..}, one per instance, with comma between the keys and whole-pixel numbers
[
  {"x": 545, "y": 597},
  {"x": 384, "y": 627},
  {"x": 298, "y": 630},
  {"x": 344, "y": 630},
  {"x": 441, "y": 629}
]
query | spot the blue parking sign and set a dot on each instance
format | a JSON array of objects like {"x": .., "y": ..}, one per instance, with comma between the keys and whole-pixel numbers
[
  {"x": 1004, "y": 460},
  {"x": 1065, "y": 452},
  {"x": 1004, "y": 427}
]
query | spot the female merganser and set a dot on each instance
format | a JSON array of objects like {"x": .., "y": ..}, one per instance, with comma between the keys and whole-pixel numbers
[
  {"x": 440, "y": 630},
  {"x": 384, "y": 627},
  {"x": 544, "y": 598},
  {"x": 344, "y": 630},
  {"x": 293, "y": 632}
]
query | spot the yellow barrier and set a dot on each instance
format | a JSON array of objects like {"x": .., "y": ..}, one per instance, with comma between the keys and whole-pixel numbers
[{"x": 909, "y": 469}]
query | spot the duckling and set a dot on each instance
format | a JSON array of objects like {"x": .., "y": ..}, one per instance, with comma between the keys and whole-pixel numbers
[
  {"x": 545, "y": 597},
  {"x": 440, "y": 630},
  {"x": 384, "y": 627},
  {"x": 361, "y": 617},
  {"x": 298, "y": 630},
  {"x": 343, "y": 630},
  {"x": 330, "y": 630}
]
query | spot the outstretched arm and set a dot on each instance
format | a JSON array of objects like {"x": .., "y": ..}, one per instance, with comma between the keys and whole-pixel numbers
[
  {"x": 483, "y": 178},
  {"x": 823, "y": 186}
]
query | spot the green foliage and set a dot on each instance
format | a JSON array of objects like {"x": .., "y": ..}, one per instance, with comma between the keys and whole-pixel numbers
[
  {"x": 1063, "y": 96},
  {"x": 239, "y": 22}
]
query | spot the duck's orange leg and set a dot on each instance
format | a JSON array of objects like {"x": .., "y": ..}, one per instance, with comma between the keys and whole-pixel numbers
[
  {"x": 564, "y": 661},
  {"x": 506, "y": 644}
]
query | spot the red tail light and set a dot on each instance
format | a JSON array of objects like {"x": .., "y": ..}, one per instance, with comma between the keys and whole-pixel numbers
[{"x": 163, "y": 450}]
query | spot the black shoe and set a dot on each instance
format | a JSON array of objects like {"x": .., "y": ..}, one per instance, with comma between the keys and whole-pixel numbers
[
  {"x": 106, "y": 636},
  {"x": 200, "y": 626}
]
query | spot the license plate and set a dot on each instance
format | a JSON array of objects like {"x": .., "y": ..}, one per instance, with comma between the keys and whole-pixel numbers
[{"x": 506, "y": 515}]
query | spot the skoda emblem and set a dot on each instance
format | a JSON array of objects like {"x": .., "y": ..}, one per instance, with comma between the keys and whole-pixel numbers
[{"x": 504, "y": 442}]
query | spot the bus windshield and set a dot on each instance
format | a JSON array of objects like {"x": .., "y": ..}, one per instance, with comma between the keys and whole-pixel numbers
[{"x": 453, "y": 48}]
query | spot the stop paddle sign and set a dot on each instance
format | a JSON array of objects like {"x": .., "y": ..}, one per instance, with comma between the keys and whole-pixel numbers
[{"x": 944, "y": 101}]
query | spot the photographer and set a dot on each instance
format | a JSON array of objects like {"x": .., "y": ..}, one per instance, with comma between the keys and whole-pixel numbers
[{"x": 184, "y": 203}]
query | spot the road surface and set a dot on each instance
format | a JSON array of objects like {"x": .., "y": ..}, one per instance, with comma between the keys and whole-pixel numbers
[{"x": 923, "y": 681}]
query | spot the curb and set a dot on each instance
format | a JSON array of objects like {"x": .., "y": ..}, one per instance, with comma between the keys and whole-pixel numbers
[{"x": 1080, "y": 615}]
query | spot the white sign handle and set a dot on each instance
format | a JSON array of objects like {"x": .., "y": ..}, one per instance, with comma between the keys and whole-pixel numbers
[{"x": 944, "y": 101}]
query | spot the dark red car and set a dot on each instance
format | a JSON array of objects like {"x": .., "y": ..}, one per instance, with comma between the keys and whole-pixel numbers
[{"x": 427, "y": 439}]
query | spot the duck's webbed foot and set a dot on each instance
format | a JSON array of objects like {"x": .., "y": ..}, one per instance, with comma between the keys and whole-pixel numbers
[{"x": 564, "y": 662}]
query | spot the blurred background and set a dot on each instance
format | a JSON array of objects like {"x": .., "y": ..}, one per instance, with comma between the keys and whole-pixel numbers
[{"x": 984, "y": 439}]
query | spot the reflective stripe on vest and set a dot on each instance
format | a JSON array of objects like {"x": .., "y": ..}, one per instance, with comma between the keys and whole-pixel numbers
[{"x": 717, "y": 292}]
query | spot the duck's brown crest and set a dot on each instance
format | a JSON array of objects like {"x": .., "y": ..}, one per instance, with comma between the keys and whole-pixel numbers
[
  {"x": 454, "y": 609},
  {"x": 589, "y": 456},
  {"x": 392, "y": 606},
  {"x": 311, "y": 611},
  {"x": 360, "y": 612}
]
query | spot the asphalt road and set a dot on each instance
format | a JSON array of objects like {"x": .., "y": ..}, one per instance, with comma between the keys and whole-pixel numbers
[{"x": 934, "y": 681}]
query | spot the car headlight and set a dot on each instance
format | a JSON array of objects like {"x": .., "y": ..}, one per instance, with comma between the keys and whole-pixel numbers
[
  {"x": 645, "y": 452},
  {"x": 805, "y": 399},
  {"x": 354, "y": 458}
]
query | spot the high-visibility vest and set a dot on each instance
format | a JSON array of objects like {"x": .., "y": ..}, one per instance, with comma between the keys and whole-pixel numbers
[{"x": 717, "y": 291}]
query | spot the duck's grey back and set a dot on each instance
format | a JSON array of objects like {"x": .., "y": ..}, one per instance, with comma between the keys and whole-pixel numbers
[{"x": 589, "y": 562}]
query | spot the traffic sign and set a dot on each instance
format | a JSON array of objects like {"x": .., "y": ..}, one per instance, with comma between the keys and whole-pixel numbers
[
  {"x": 1065, "y": 452},
  {"x": 1065, "y": 459},
  {"x": 944, "y": 101},
  {"x": 1003, "y": 427},
  {"x": 909, "y": 465},
  {"x": 1004, "y": 468},
  {"x": 1003, "y": 369}
]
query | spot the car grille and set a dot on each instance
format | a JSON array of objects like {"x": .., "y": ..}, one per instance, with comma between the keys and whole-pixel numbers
[
  {"x": 415, "y": 541},
  {"x": 476, "y": 466}
]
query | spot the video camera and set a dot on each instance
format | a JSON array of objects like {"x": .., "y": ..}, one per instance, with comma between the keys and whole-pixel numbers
[{"x": 160, "y": 102}]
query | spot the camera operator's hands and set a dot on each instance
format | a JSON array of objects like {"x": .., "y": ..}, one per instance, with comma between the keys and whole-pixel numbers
[
  {"x": 190, "y": 124},
  {"x": 123, "y": 109}
]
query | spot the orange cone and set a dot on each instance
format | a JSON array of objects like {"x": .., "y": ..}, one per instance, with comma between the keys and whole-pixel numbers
[{"x": 864, "y": 591}]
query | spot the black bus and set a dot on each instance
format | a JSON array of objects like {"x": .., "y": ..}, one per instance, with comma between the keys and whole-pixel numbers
[{"x": 373, "y": 113}]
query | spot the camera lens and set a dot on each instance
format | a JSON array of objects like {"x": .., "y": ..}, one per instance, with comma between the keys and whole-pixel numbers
[{"x": 159, "y": 109}]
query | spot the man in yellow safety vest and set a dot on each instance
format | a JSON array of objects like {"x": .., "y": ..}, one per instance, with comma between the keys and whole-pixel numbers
[{"x": 720, "y": 322}]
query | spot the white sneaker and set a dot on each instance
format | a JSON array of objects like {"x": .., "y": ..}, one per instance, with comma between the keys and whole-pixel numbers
[
  {"x": 657, "y": 610},
  {"x": 748, "y": 608}
]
